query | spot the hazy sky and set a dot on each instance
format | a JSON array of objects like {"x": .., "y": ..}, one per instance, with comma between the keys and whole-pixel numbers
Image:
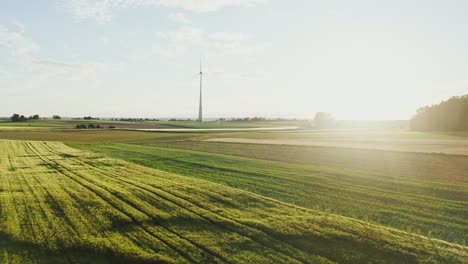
[{"x": 356, "y": 59}]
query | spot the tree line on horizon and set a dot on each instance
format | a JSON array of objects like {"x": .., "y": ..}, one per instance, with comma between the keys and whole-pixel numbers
[
  {"x": 449, "y": 115},
  {"x": 21, "y": 118}
]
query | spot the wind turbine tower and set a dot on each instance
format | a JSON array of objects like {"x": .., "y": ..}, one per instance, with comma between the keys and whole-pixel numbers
[{"x": 200, "y": 107}]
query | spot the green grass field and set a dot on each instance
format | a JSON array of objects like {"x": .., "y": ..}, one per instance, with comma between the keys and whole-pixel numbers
[
  {"x": 116, "y": 196},
  {"x": 417, "y": 204},
  {"x": 64, "y": 205},
  {"x": 439, "y": 167}
]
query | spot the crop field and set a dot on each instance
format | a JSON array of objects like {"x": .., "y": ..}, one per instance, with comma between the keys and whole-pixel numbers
[
  {"x": 355, "y": 135},
  {"x": 116, "y": 196},
  {"x": 438, "y": 167},
  {"x": 433, "y": 207},
  {"x": 455, "y": 147},
  {"x": 59, "y": 204},
  {"x": 93, "y": 136}
]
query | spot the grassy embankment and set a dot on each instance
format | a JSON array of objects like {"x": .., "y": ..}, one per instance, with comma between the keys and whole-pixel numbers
[{"x": 63, "y": 205}]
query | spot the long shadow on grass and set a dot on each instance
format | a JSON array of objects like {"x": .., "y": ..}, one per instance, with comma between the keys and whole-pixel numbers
[
  {"x": 80, "y": 253},
  {"x": 340, "y": 249}
]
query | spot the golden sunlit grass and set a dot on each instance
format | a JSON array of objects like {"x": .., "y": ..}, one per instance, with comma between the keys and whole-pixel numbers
[{"x": 408, "y": 192}]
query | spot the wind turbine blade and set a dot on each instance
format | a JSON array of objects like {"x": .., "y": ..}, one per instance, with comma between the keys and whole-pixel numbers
[{"x": 196, "y": 76}]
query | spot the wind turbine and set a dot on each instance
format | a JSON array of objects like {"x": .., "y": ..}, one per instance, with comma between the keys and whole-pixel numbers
[{"x": 200, "y": 107}]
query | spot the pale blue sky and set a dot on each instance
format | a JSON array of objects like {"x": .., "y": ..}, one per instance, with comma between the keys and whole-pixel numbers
[{"x": 137, "y": 58}]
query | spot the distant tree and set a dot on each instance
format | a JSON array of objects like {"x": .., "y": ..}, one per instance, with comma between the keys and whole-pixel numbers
[
  {"x": 85, "y": 126},
  {"x": 56, "y": 117},
  {"x": 34, "y": 117},
  {"x": 323, "y": 120},
  {"x": 90, "y": 118},
  {"x": 450, "y": 115},
  {"x": 15, "y": 118}
]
